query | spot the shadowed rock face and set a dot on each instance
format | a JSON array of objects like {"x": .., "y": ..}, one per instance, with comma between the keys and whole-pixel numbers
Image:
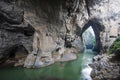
[{"x": 14, "y": 31}]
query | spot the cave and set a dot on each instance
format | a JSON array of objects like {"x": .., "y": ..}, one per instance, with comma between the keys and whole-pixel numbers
[
  {"x": 17, "y": 51},
  {"x": 97, "y": 28}
]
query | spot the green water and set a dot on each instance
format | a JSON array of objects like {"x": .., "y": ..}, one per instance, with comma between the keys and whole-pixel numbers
[{"x": 59, "y": 71}]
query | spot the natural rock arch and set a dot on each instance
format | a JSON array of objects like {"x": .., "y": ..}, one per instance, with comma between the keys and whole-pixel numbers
[{"x": 97, "y": 28}]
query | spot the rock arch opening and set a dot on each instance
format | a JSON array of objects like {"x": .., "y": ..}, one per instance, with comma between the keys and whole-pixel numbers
[
  {"x": 97, "y": 28},
  {"x": 89, "y": 38}
]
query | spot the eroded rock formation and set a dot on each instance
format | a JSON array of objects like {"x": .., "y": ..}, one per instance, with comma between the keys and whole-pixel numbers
[
  {"x": 58, "y": 26},
  {"x": 104, "y": 15},
  {"x": 14, "y": 31},
  {"x": 57, "y": 31}
]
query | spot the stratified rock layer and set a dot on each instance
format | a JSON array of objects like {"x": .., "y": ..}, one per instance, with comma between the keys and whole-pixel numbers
[{"x": 14, "y": 31}]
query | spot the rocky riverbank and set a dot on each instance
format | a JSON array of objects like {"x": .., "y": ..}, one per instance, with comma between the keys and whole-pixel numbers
[{"x": 106, "y": 67}]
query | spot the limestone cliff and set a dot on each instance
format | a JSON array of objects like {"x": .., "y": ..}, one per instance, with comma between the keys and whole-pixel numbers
[
  {"x": 58, "y": 25},
  {"x": 57, "y": 30}
]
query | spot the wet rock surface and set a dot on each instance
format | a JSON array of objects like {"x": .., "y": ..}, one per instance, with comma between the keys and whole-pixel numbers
[{"x": 105, "y": 67}]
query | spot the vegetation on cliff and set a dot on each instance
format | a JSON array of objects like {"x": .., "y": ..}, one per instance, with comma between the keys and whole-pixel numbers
[{"x": 115, "y": 48}]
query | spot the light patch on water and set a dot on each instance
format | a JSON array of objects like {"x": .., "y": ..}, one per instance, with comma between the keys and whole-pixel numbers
[
  {"x": 86, "y": 69},
  {"x": 86, "y": 73}
]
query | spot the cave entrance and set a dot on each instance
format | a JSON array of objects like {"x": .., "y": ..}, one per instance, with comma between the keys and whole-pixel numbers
[
  {"x": 88, "y": 37},
  {"x": 96, "y": 28},
  {"x": 17, "y": 52}
]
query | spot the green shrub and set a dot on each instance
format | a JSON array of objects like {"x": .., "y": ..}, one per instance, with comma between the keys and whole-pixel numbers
[{"x": 115, "y": 48}]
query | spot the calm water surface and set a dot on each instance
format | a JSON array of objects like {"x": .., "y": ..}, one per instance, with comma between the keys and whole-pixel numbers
[{"x": 73, "y": 70}]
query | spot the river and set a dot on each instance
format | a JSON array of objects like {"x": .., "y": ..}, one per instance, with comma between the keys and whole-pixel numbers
[{"x": 72, "y": 70}]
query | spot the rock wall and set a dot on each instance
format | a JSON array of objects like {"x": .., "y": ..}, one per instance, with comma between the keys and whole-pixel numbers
[
  {"x": 58, "y": 27},
  {"x": 14, "y": 31}
]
